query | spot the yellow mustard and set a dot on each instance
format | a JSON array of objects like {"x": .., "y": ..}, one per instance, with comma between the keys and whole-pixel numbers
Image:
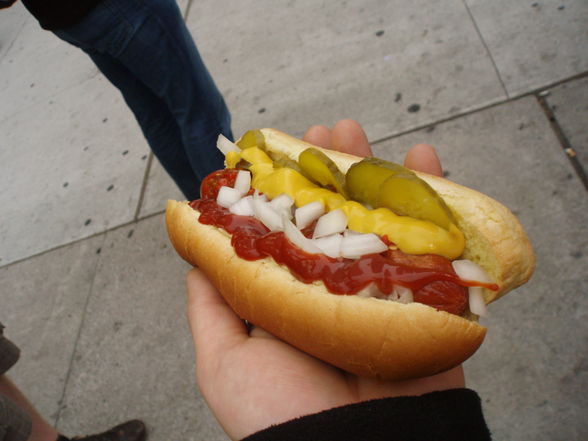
[{"x": 412, "y": 236}]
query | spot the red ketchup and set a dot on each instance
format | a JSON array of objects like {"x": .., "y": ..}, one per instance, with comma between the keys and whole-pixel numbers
[{"x": 430, "y": 277}]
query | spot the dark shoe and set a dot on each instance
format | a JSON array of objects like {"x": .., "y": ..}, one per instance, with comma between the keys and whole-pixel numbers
[
  {"x": 6, "y": 3},
  {"x": 133, "y": 430}
]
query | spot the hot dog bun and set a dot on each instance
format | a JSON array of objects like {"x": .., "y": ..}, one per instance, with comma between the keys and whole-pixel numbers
[{"x": 364, "y": 336}]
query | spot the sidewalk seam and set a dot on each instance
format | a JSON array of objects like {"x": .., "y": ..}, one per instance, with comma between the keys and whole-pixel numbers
[
  {"x": 62, "y": 404},
  {"x": 534, "y": 92},
  {"x": 487, "y": 48},
  {"x": 564, "y": 142},
  {"x": 143, "y": 187},
  {"x": 188, "y": 7}
]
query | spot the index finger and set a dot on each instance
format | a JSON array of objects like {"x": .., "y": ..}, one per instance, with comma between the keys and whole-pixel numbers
[
  {"x": 423, "y": 158},
  {"x": 347, "y": 136}
]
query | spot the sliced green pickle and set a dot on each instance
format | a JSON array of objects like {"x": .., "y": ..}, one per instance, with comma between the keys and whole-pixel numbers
[
  {"x": 364, "y": 179},
  {"x": 283, "y": 160},
  {"x": 409, "y": 195},
  {"x": 321, "y": 169},
  {"x": 386, "y": 184},
  {"x": 252, "y": 138}
]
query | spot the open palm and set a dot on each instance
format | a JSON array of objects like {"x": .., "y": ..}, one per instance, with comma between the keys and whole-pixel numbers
[{"x": 252, "y": 380}]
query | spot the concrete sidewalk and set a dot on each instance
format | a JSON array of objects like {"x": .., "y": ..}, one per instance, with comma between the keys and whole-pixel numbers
[{"x": 93, "y": 293}]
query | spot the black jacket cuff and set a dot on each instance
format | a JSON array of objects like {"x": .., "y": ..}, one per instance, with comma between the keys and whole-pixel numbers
[{"x": 454, "y": 415}]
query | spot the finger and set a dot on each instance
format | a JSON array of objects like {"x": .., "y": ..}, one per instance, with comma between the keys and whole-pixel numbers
[
  {"x": 349, "y": 137},
  {"x": 214, "y": 325},
  {"x": 319, "y": 136},
  {"x": 423, "y": 158}
]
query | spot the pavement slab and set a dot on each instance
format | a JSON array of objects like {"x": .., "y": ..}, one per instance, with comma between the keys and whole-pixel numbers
[
  {"x": 569, "y": 105},
  {"x": 37, "y": 65},
  {"x": 43, "y": 304},
  {"x": 160, "y": 187},
  {"x": 391, "y": 65},
  {"x": 534, "y": 43},
  {"x": 72, "y": 171},
  {"x": 135, "y": 357},
  {"x": 13, "y": 20},
  {"x": 531, "y": 372}
]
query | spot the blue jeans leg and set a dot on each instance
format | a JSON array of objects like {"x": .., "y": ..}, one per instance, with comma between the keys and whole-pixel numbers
[
  {"x": 146, "y": 42},
  {"x": 156, "y": 121}
]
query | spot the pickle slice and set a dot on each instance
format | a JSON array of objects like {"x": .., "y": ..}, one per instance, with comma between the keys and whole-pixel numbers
[
  {"x": 321, "y": 169},
  {"x": 409, "y": 195},
  {"x": 252, "y": 138},
  {"x": 386, "y": 184},
  {"x": 282, "y": 160},
  {"x": 364, "y": 178}
]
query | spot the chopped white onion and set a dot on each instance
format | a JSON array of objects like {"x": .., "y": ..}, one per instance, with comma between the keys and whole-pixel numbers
[
  {"x": 295, "y": 236},
  {"x": 243, "y": 207},
  {"x": 355, "y": 246},
  {"x": 471, "y": 271},
  {"x": 243, "y": 182},
  {"x": 477, "y": 303},
  {"x": 468, "y": 270},
  {"x": 283, "y": 205},
  {"x": 401, "y": 294},
  {"x": 267, "y": 215},
  {"x": 258, "y": 195},
  {"x": 330, "y": 245},
  {"x": 371, "y": 291},
  {"x": 349, "y": 232},
  {"x": 226, "y": 146},
  {"x": 306, "y": 214},
  {"x": 227, "y": 196},
  {"x": 331, "y": 223}
]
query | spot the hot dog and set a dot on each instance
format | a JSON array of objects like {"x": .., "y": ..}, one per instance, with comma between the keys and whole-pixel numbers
[{"x": 376, "y": 269}]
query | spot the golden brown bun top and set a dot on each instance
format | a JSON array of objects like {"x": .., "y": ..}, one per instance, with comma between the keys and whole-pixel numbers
[{"x": 495, "y": 239}]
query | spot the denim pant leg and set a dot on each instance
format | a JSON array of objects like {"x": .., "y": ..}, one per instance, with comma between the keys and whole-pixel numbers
[
  {"x": 156, "y": 121},
  {"x": 149, "y": 38}
]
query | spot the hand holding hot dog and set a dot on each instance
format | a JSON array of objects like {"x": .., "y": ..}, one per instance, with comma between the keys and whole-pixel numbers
[{"x": 253, "y": 380}]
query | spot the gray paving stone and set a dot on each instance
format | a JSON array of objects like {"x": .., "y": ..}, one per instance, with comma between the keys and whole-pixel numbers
[
  {"x": 12, "y": 21},
  {"x": 531, "y": 371},
  {"x": 70, "y": 171},
  {"x": 569, "y": 104},
  {"x": 391, "y": 65},
  {"x": 160, "y": 187},
  {"x": 534, "y": 43},
  {"x": 36, "y": 67},
  {"x": 183, "y": 5},
  {"x": 135, "y": 356},
  {"x": 42, "y": 307}
]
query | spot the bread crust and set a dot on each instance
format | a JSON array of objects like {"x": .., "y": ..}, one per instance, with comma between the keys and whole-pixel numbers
[{"x": 364, "y": 336}]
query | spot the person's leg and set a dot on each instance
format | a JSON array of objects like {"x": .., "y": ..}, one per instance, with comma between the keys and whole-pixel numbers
[
  {"x": 19, "y": 420},
  {"x": 149, "y": 38},
  {"x": 199, "y": 107},
  {"x": 40, "y": 430},
  {"x": 156, "y": 121}
]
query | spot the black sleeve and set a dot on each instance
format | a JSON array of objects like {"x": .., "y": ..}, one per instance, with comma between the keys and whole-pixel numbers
[
  {"x": 58, "y": 14},
  {"x": 454, "y": 415}
]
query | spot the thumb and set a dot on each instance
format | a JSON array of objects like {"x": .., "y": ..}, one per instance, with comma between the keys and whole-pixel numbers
[{"x": 214, "y": 325}]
